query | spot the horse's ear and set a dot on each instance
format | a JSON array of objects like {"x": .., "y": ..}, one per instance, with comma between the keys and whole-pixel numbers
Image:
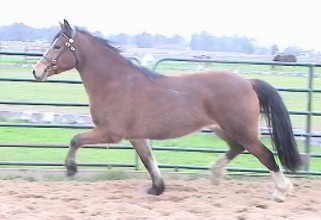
[{"x": 67, "y": 29}]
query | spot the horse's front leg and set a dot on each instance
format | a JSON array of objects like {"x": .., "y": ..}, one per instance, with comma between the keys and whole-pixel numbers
[
  {"x": 146, "y": 155},
  {"x": 94, "y": 136}
]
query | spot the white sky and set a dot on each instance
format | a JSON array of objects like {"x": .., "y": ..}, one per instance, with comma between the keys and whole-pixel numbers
[{"x": 281, "y": 22}]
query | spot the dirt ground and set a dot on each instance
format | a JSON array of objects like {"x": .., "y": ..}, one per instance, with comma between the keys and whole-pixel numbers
[{"x": 183, "y": 199}]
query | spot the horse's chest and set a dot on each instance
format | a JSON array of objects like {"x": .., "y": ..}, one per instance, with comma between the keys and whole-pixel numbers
[{"x": 107, "y": 114}]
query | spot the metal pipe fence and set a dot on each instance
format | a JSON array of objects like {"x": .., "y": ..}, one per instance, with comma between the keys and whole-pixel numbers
[{"x": 307, "y": 133}]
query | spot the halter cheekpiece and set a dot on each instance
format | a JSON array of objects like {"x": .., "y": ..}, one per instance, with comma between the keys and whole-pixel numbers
[{"x": 68, "y": 45}]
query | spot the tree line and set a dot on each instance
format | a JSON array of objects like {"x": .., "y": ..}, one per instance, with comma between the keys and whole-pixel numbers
[{"x": 198, "y": 41}]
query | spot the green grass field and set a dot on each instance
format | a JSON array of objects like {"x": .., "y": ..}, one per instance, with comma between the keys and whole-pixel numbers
[
  {"x": 75, "y": 93},
  {"x": 63, "y": 136}
]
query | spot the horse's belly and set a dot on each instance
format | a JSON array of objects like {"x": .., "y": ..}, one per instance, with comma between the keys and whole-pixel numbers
[{"x": 167, "y": 128}]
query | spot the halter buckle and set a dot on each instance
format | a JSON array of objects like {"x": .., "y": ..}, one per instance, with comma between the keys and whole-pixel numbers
[{"x": 48, "y": 68}]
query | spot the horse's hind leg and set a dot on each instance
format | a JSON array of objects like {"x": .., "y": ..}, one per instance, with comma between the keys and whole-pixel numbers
[
  {"x": 235, "y": 149},
  {"x": 219, "y": 165},
  {"x": 144, "y": 151},
  {"x": 282, "y": 185}
]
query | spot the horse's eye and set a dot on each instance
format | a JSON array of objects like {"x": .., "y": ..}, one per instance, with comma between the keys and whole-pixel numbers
[{"x": 56, "y": 47}]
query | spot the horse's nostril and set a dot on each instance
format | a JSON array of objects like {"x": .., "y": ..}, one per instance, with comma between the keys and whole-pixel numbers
[{"x": 34, "y": 74}]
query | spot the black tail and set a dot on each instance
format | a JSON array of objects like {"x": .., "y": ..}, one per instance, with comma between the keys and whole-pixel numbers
[{"x": 277, "y": 117}]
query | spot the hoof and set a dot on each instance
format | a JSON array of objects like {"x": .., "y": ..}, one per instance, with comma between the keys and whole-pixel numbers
[
  {"x": 216, "y": 181},
  {"x": 281, "y": 193},
  {"x": 156, "y": 190},
  {"x": 279, "y": 196},
  {"x": 217, "y": 173},
  {"x": 71, "y": 169}
]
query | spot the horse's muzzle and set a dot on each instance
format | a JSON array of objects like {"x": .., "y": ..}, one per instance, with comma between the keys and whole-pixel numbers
[{"x": 43, "y": 77}]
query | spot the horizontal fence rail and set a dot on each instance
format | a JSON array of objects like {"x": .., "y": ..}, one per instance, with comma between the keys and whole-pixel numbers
[
  {"x": 176, "y": 167},
  {"x": 126, "y": 147},
  {"x": 269, "y": 63},
  {"x": 307, "y": 133}
]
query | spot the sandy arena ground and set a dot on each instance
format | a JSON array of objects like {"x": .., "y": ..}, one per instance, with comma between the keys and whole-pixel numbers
[{"x": 183, "y": 199}]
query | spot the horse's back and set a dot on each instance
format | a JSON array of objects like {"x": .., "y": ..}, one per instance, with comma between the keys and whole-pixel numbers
[
  {"x": 219, "y": 94},
  {"x": 285, "y": 58},
  {"x": 219, "y": 83}
]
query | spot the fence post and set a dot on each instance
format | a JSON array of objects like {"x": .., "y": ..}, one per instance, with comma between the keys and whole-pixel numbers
[
  {"x": 309, "y": 115},
  {"x": 25, "y": 57}
]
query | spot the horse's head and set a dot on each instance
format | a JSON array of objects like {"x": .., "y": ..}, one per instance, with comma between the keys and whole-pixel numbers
[{"x": 60, "y": 57}]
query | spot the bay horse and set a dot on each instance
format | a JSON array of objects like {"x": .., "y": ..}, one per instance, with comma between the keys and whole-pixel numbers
[
  {"x": 201, "y": 65},
  {"x": 284, "y": 58},
  {"x": 136, "y": 104}
]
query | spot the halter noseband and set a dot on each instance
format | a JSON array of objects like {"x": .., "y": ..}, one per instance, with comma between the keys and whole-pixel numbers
[{"x": 68, "y": 45}]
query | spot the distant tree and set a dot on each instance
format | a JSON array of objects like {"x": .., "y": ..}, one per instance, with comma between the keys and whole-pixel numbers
[
  {"x": 261, "y": 50},
  {"x": 160, "y": 39},
  {"x": 21, "y": 32},
  {"x": 145, "y": 40},
  {"x": 195, "y": 42},
  {"x": 244, "y": 44},
  {"x": 274, "y": 49},
  {"x": 292, "y": 50},
  {"x": 205, "y": 41},
  {"x": 176, "y": 39},
  {"x": 121, "y": 39}
]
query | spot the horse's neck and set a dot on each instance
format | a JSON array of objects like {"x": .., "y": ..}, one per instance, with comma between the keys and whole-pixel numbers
[{"x": 104, "y": 71}]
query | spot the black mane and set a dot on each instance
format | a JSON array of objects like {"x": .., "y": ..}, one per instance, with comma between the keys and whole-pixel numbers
[
  {"x": 147, "y": 72},
  {"x": 103, "y": 41}
]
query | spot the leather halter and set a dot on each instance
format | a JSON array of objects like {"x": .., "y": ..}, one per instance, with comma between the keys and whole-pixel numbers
[{"x": 68, "y": 45}]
